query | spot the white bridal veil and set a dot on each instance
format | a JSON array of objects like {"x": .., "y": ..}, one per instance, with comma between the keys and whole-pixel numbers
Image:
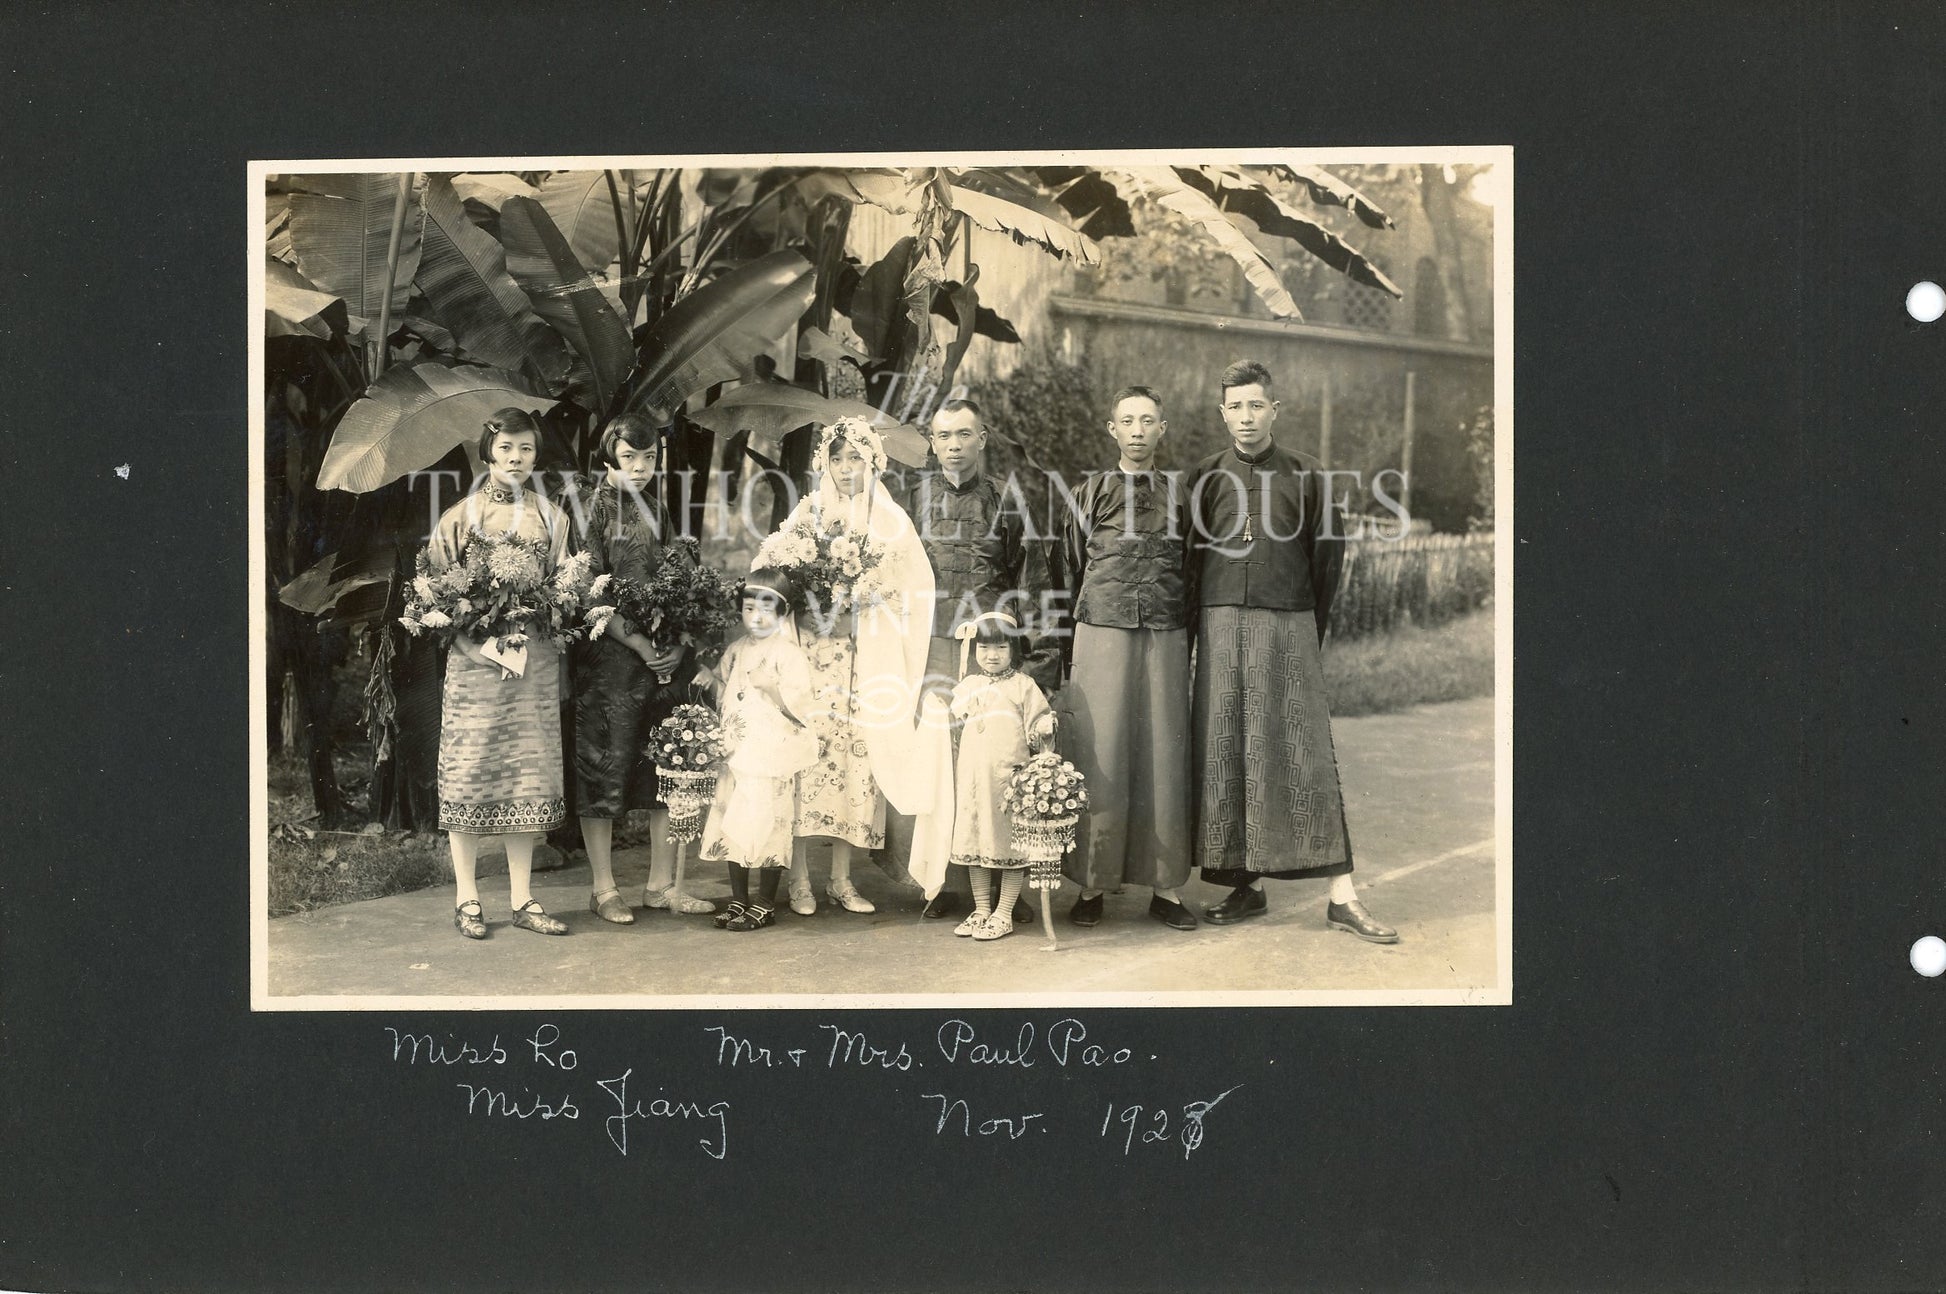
[{"x": 894, "y": 634}]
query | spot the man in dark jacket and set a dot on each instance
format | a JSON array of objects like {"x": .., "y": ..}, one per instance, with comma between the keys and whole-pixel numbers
[
  {"x": 1127, "y": 722},
  {"x": 1266, "y": 544}
]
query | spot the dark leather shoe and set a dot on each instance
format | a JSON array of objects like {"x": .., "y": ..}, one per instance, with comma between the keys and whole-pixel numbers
[
  {"x": 1243, "y": 903},
  {"x": 1174, "y": 915},
  {"x": 943, "y": 904},
  {"x": 1086, "y": 912},
  {"x": 1353, "y": 919},
  {"x": 1023, "y": 913}
]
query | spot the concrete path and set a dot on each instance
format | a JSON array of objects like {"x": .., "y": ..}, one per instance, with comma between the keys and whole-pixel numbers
[{"x": 1419, "y": 797}]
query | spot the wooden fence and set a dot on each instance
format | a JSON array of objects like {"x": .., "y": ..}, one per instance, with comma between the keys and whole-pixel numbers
[{"x": 1419, "y": 580}]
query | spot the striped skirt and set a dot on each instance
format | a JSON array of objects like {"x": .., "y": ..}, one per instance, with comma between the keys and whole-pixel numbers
[{"x": 500, "y": 763}]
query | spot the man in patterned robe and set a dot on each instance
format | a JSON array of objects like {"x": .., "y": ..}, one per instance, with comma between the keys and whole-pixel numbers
[{"x": 1266, "y": 546}]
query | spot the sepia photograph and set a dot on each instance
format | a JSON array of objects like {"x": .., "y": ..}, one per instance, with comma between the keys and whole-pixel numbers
[{"x": 882, "y": 581}]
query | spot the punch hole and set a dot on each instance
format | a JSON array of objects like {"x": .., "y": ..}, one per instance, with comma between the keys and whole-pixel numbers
[
  {"x": 1929, "y": 955},
  {"x": 1926, "y": 302}
]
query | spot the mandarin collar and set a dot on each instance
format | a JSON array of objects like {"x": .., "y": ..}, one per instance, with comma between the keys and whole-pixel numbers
[
  {"x": 498, "y": 493},
  {"x": 1255, "y": 460},
  {"x": 607, "y": 486},
  {"x": 972, "y": 480}
]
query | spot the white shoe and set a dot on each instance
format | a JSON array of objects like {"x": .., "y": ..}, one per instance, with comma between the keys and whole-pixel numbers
[
  {"x": 803, "y": 902},
  {"x": 846, "y": 896}
]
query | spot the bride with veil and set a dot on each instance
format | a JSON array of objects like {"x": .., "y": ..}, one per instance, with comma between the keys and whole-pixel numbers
[{"x": 866, "y": 662}]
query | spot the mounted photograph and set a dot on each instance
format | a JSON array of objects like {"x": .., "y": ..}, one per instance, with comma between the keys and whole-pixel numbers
[{"x": 1053, "y": 579}]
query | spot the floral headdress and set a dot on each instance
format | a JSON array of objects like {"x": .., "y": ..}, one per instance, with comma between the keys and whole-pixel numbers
[{"x": 863, "y": 437}]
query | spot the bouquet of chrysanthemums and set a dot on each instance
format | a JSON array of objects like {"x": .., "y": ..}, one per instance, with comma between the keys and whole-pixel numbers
[
  {"x": 498, "y": 594},
  {"x": 835, "y": 566},
  {"x": 1045, "y": 797},
  {"x": 688, "y": 748},
  {"x": 682, "y": 601}
]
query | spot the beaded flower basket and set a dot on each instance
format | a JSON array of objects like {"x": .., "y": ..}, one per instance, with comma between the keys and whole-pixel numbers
[
  {"x": 688, "y": 795},
  {"x": 1045, "y": 842},
  {"x": 687, "y": 748},
  {"x": 1045, "y": 796}
]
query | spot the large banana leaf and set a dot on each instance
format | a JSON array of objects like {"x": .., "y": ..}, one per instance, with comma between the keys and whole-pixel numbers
[
  {"x": 317, "y": 590},
  {"x": 817, "y": 344},
  {"x": 986, "y": 323},
  {"x": 563, "y": 294},
  {"x": 491, "y": 189},
  {"x": 712, "y": 334},
  {"x": 410, "y": 418},
  {"x": 964, "y": 303},
  {"x": 1327, "y": 189},
  {"x": 341, "y": 230},
  {"x": 880, "y": 186},
  {"x": 875, "y": 304},
  {"x": 293, "y": 306},
  {"x": 277, "y": 226},
  {"x": 1099, "y": 210},
  {"x": 463, "y": 274},
  {"x": 768, "y": 410},
  {"x": 1162, "y": 185},
  {"x": 994, "y": 202},
  {"x": 1238, "y": 191},
  {"x": 579, "y": 204}
]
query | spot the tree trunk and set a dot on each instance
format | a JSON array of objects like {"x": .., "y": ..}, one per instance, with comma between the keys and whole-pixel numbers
[{"x": 309, "y": 656}]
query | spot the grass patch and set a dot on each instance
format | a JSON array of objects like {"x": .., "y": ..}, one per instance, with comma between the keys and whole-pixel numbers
[
  {"x": 316, "y": 873},
  {"x": 1410, "y": 666}
]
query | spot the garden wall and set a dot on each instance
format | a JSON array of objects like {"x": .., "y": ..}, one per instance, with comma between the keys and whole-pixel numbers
[{"x": 1182, "y": 352}]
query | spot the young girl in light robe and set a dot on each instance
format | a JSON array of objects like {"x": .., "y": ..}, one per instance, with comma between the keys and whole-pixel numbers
[{"x": 764, "y": 683}]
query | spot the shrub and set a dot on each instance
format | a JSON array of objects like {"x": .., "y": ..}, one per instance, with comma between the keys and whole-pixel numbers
[{"x": 1420, "y": 580}]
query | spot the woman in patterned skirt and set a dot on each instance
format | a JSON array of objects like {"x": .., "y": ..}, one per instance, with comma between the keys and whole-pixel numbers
[{"x": 500, "y": 765}]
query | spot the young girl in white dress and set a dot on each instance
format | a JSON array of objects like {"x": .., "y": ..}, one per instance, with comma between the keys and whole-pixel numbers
[
  {"x": 764, "y": 683},
  {"x": 1002, "y": 718}
]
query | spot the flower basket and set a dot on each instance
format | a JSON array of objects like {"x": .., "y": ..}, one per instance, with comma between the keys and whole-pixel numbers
[
  {"x": 687, "y": 748},
  {"x": 1045, "y": 796},
  {"x": 688, "y": 795}
]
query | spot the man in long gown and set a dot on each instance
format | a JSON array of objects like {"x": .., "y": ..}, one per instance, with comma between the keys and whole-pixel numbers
[{"x": 1266, "y": 545}]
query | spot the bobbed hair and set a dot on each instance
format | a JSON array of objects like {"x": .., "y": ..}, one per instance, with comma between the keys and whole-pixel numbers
[
  {"x": 767, "y": 579},
  {"x": 509, "y": 420},
  {"x": 1248, "y": 372},
  {"x": 992, "y": 631},
  {"x": 633, "y": 430}
]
